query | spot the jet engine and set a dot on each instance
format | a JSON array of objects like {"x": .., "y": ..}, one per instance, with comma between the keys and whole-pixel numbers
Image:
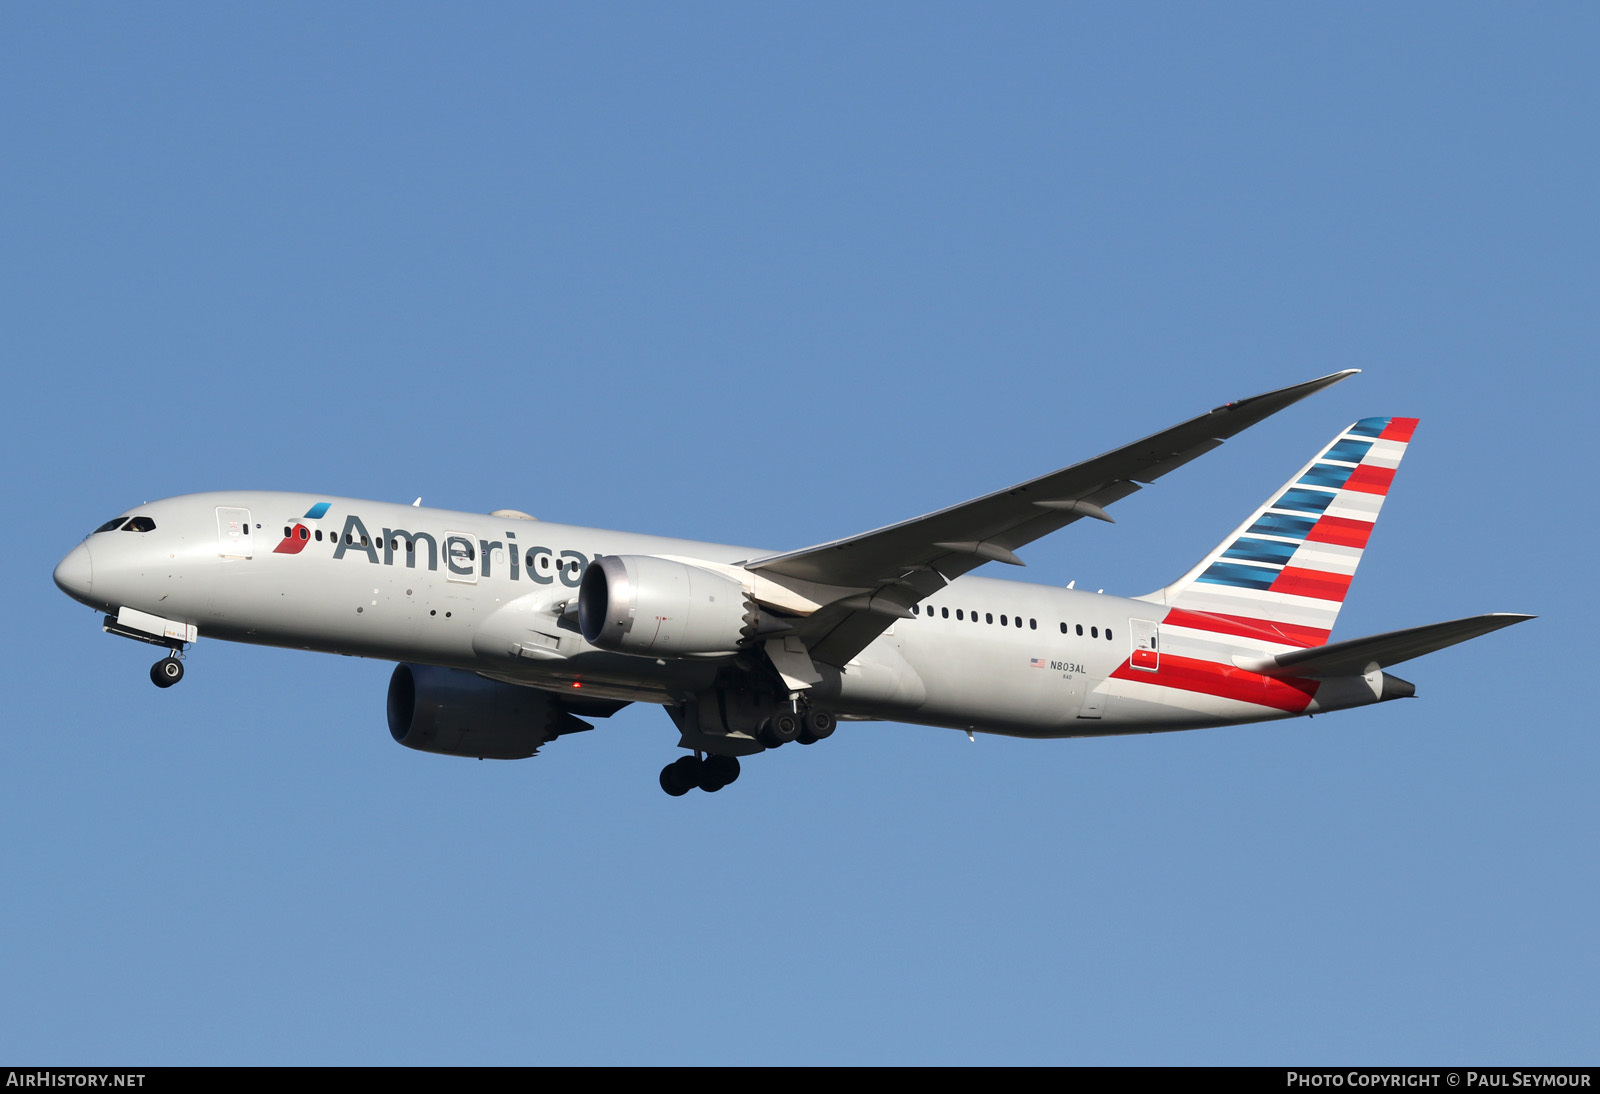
[
  {"x": 650, "y": 606},
  {"x": 462, "y": 714}
]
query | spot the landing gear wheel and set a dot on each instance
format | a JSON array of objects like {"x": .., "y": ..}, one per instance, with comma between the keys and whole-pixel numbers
[
  {"x": 681, "y": 776},
  {"x": 166, "y": 672},
  {"x": 669, "y": 782},
  {"x": 779, "y": 729},
  {"x": 717, "y": 772},
  {"x": 815, "y": 725}
]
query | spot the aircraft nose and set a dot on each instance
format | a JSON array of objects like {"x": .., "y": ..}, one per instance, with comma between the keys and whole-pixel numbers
[{"x": 75, "y": 573}]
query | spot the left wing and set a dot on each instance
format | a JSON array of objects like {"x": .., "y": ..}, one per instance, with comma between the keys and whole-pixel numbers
[{"x": 898, "y": 565}]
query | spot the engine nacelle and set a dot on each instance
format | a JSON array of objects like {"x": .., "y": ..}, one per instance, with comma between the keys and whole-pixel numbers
[
  {"x": 460, "y": 713},
  {"x": 655, "y": 607}
]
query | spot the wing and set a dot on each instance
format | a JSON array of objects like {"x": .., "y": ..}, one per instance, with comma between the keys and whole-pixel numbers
[{"x": 900, "y": 564}]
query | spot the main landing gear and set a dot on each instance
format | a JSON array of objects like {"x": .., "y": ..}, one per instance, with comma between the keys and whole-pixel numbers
[
  {"x": 710, "y": 774},
  {"x": 714, "y": 772},
  {"x": 806, "y": 726},
  {"x": 166, "y": 672},
  {"x": 815, "y": 725}
]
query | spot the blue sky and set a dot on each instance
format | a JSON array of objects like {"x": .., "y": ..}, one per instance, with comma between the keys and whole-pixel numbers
[{"x": 774, "y": 274}]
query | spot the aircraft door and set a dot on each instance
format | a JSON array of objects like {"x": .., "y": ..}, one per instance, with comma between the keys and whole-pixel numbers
[
  {"x": 233, "y": 532},
  {"x": 461, "y": 557},
  {"x": 1144, "y": 633}
]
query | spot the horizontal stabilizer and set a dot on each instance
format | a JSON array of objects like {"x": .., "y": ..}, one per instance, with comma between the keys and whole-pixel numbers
[{"x": 1360, "y": 656}]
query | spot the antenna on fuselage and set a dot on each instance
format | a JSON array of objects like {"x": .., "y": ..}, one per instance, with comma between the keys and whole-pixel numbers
[{"x": 416, "y": 503}]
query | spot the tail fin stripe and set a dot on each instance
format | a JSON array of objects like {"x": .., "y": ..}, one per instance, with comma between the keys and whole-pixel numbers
[
  {"x": 1298, "y": 500},
  {"x": 1385, "y": 454},
  {"x": 1312, "y": 583},
  {"x": 1348, "y": 450},
  {"x": 1356, "y": 505},
  {"x": 1271, "y": 551},
  {"x": 1291, "y": 563},
  {"x": 1327, "y": 557},
  {"x": 1279, "y": 524},
  {"x": 1399, "y": 429},
  {"x": 1330, "y": 475},
  {"x": 1341, "y": 531},
  {"x": 1267, "y": 608},
  {"x": 1371, "y": 480},
  {"x": 1239, "y": 575}
]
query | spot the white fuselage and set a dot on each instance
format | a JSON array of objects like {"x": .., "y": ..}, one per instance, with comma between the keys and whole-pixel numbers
[{"x": 491, "y": 594}]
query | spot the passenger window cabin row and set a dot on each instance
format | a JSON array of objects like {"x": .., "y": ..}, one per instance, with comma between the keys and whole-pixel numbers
[{"x": 1005, "y": 620}]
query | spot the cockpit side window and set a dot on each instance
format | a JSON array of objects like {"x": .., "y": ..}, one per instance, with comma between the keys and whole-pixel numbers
[
  {"x": 140, "y": 524},
  {"x": 108, "y": 526}
]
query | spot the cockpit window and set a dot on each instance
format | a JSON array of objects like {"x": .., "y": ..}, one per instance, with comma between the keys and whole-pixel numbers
[
  {"x": 108, "y": 526},
  {"x": 140, "y": 524}
]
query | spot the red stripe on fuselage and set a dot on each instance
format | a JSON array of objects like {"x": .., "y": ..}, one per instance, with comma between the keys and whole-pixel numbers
[
  {"x": 1315, "y": 583},
  {"x": 1399, "y": 429},
  {"x": 1340, "y": 530},
  {"x": 1225, "y": 682},
  {"x": 1238, "y": 626}
]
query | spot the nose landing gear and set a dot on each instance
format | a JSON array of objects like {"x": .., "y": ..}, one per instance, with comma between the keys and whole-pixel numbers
[
  {"x": 166, "y": 672},
  {"x": 171, "y": 634}
]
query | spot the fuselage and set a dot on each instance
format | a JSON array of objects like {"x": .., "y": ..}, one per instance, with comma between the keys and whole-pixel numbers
[{"x": 494, "y": 594}]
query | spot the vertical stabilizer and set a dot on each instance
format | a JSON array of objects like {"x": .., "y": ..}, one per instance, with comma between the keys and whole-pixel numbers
[{"x": 1283, "y": 573}]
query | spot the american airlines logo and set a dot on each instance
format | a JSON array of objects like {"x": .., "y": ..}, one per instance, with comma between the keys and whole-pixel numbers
[
  {"x": 296, "y": 538},
  {"x": 464, "y": 556}
]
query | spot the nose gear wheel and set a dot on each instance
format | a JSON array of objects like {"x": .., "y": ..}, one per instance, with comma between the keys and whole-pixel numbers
[{"x": 166, "y": 672}]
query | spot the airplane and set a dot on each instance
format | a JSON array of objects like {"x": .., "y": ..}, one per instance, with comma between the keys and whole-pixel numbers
[{"x": 510, "y": 631}]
